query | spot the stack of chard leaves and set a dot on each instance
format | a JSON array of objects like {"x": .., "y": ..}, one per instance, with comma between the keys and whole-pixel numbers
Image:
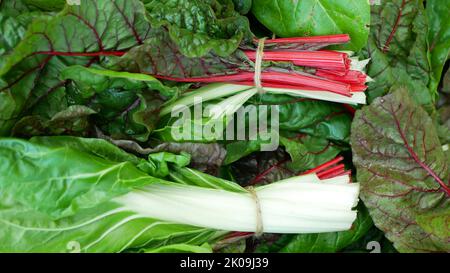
[{"x": 94, "y": 80}]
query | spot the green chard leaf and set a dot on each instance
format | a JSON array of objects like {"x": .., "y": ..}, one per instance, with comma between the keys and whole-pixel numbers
[
  {"x": 48, "y": 5},
  {"x": 296, "y": 154},
  {"x": 313, "y": 132},
  {"x": 13, "y": 6},
  {"x": 200, "y": 26},
  {"x": 305, "y": 152},
  {"x": 98, "y": 147},
  {"x": 403, "y": 172},
  {"x": 56, "y": 201},
  {"x": 30, "y": 75},
  {"x": 161, "y": 56},
  {"x": 126, "y": 103},
  {"x": 20, "y": 6},
  {"x": 398, "y": 50},
  {"x": 206, "y": 157},
  {"x": 308, "y": 152},
  {"x": 156, "y": 165},
  {"x": 74, "y": 120},
  {"x": 14, "y": 21},
  {"x": 56, "y": 195},
  {"x": 438, "y": 37},
  {"x": 446, "y": 83},
  {"x": 11, "y": 33},
  {"x": 316, "y": 118},
  {"x": 242, "y": 6},
  {"x": 316, "y": 17}
]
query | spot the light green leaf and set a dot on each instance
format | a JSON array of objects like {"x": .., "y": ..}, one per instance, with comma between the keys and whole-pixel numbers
[
  {"x": 316, "y": 17},
  {"x": 64, "y": 190},
  {"x": 180, "y": 248}
]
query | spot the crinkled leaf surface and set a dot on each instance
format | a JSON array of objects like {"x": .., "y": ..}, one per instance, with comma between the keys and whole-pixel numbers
[
  {"x": 206, "y": 157},
  {"x": 161, "y": 56},
  {"x": 49, "y": 5},
  {"x": 438, "y": 37},
  {"x": 398, "y": 50},
  {"x": 124, "y": 105},
  {"x": 200, "y": 26},
  {"x": 30, "y": 74},
  {"x": 317, "y": 118},
  {"x": 403, "y": 172},
  {"x": 305, "y": 152},
  {"x": 74, "y": 120},
  {"x": 45, "y": 178},
  {"x": 297, "y": 153}
]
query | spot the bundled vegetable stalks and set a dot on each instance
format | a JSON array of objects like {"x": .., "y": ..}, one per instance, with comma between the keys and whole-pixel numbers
[
  {"x": 53, "y": 84},
  {"x": 293, "y": 66},
  {"x": 90, "y": 196}
]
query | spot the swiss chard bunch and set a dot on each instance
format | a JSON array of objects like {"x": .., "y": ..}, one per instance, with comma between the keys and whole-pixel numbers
[
  {"x": 293, "y": 66},
  {"x": 61, "y": 192}
]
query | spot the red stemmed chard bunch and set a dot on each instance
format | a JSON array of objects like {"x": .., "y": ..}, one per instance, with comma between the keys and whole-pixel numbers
[{"x": 292, "y": 66}]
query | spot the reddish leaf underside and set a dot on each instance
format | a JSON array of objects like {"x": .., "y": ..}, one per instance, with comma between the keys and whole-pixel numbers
[{"x": 402, "y": 169}]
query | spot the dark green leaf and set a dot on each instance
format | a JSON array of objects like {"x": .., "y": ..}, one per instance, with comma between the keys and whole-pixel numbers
[
  {"x": 71, "y": 121},
  {"x": 438, "y": 37},
  {"x": 243, "y": 6},
  {"x": 307, "y": 152},
  {"x": 261, "y": 168},
  {"x": 398, "y": 50},
  {"x": 90, "y": 183},
  {"x": 317, "y": 118},
  {"x": 56, "y": 196},
  {"x": 200, "y": 26}
]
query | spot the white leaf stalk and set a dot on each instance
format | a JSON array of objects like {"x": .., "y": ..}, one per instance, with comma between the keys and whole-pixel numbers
[
  {"x": 303, "y": 204},
  {"x": 229, "y": 106},
  {"x": 359, "y": 65},
  {"x": 206, "y": 93},
  {"x": 355, "y": 99},
  {"x": 240, "y": 94}
]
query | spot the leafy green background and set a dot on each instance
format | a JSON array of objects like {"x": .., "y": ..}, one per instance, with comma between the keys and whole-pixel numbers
[{"x": 408, "y": 44}]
